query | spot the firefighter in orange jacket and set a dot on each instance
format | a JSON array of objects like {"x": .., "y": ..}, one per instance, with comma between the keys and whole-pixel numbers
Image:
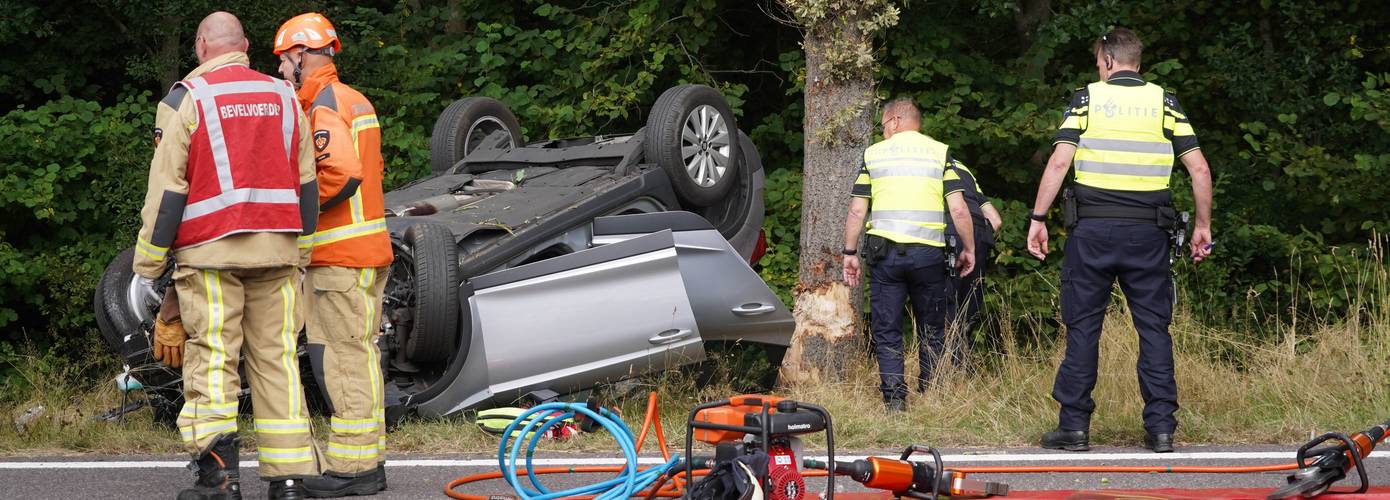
[
  {"x": 351, "y": 256},
  {"x": 232, "y": 198}
]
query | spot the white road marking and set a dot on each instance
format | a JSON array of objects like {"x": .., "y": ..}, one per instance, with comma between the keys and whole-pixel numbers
[{"x": 981, "y": 457}]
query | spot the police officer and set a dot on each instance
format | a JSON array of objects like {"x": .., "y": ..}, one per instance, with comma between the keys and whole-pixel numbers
[
  {"x": 902, "y": 178},
  {"x": 965, "y": 293},
  {"x": 231, "y": 197},
  {"x": 1123, "y": 134},
  {"x": 351, "y": 256}
]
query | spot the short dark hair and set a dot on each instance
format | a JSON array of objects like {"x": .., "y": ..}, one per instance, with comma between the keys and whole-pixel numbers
[
  {"x": 1122, "y": 45},
  {"x": 902, "y": 107}
]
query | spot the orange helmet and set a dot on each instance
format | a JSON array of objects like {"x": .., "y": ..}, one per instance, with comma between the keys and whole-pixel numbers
[{"x": 311, "y": 30}]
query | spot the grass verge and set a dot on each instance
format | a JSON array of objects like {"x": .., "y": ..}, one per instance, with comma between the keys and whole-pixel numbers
[{"x": 1315, "y": 379}]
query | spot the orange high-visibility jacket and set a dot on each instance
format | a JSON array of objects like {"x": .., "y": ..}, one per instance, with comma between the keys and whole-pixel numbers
[{"x": 347, "y": 152}]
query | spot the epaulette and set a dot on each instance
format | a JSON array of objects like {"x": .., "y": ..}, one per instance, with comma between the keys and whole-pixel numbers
[{"x": 175, "y": 96}]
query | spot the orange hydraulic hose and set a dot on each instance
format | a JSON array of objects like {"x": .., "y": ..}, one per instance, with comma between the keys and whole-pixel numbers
[
  {"x": 673, "y": 486},
  {"x": 1135, "y": 469}
]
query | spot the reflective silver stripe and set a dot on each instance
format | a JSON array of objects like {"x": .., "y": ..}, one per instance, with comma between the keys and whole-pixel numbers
[
  {"x": 881, "y": 172},
  {"x": 1101, "y": 167},
  {"x": 919, "y": 216},
  {"x": 199, "y": 431},
  {"x": 204, "y": 94},
  {"x": 284, "y": 453},
  {"x": 904, "y": 159},
  {"x": 910, "y": 229},
  {"x": 352, "y": 230},
  {"x": 1126, "y": 146},
  {"x": 359, "y": 427},
  {"x": 287, "y": 118},
  {"x": 263, "y": 425},
  {"x": 240, "y": 195},
  {"x": 239, "y": 87}
]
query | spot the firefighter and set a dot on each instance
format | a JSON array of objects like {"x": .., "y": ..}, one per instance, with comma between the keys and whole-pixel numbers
[
  {"x": 351, "y": 256},
  {"x": 232, "y": 198},
  {"x": 966, "y": 292},
  {"x": 1122, "y": 134},
  {"x": 902, "y": 179}
]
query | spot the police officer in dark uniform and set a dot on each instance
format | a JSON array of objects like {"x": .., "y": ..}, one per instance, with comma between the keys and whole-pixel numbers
[
  {"x": 903, "y": 178},
  {"x": 1123, "y": 135},
  {"x": 965, "y": 293}
]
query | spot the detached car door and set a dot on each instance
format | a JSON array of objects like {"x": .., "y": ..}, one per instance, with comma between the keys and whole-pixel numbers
[{"x": 574, "y": 321}]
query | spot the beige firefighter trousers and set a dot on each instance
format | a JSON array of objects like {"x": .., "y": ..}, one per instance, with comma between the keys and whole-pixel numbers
[
  {"x": 228, "y": 313},
  {"x": 344, "y": 312}
]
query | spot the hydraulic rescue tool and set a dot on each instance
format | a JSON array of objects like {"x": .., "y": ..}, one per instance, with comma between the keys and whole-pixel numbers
[
  {"x": 905, "y": 478},
  {"x": 1331, "y": 463},
  {"x": 757, "y": 434}
]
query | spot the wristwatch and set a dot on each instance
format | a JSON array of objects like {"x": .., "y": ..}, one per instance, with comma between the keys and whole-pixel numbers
[
  {"x": 849, "y": 251},
  {"x": 1036, "y": 217}
]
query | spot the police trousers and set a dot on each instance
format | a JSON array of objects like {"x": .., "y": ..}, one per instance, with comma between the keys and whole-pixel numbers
[
  {"x": 254, "y": 312},
  {"x": 966, "y": 294},
  {"x": 344, "y": 308},
  {"x": 914, "y": 273},
  {"x": 1098, "y": 252}
]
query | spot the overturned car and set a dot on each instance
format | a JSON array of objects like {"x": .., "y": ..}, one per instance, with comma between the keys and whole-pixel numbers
[{"x": 548, "y": 267}]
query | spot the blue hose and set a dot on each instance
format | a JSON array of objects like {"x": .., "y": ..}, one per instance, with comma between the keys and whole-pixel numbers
[{"x": 624, "y": 485}]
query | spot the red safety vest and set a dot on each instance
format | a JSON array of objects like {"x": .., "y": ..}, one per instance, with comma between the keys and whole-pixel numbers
[{"x": 243, "y": 173}]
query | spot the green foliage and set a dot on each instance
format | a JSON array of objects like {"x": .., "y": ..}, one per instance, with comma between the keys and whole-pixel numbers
[
  {"x": 782, "y": 228},
  {"x": 1291, "y": 101},
  {"x": 72, "y": 176}
]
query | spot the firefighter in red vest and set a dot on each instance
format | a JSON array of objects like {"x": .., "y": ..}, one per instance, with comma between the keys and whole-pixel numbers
[
  {"x": 233, "y": 199},
  {"x": 351, "y": 257}
]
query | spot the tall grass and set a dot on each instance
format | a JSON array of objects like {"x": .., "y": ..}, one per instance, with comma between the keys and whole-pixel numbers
[{"x": 1324, "y": 368}]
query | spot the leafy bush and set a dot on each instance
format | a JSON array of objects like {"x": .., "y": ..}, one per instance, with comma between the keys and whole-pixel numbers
[{"x": 72, "y": 179}]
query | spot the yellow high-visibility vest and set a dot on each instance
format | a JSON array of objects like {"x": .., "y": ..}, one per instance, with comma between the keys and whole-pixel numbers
[
  {"x": 1123, "y": 147},
  {"x": 907, "y": 202}
]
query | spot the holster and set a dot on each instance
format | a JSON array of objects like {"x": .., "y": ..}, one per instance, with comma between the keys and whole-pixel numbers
[
  {"x": 1069, "y": 215},
  {"x": 952, "y": 250},
  {"x": 875, "y": 249}
]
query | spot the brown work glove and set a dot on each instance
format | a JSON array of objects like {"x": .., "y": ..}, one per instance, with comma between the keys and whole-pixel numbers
[{"x": 168, "y": 341}]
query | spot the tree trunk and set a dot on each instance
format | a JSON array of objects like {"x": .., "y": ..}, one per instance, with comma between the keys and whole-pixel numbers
[{"x": 837, "y": 129}]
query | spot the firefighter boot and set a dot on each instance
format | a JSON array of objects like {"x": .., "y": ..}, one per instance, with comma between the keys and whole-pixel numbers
[
  {"x": 218, "y": 478},
  {"x": 287, "y": 489},
  {"x": 330, "y": 485}
]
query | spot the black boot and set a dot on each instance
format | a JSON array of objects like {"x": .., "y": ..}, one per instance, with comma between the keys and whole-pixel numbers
[
  {"x": 381, "y": 476},
  {"x": 218, "y": 478},
  {"x": 287, "y": 489},
  {"x": 1159, "y": 443},
  {"x": 1067, "y": 440},
  {"x": 331, "y": 485}
]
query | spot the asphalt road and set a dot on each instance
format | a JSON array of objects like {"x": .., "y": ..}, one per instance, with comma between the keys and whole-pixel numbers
[{"x": 424, "y": 476}]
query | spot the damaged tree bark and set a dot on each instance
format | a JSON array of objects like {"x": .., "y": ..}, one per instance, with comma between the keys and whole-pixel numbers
[{"x": 839, "y": 100}]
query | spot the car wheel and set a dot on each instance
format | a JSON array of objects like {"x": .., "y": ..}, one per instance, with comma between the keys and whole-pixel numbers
[
  {"x": 739, "y": 215},
  {"x": 124, "y": 308},
  {"x": 467, "y": 124},
  {"x": 691, "y": 134},
  {"x": 433, "y": 265}
]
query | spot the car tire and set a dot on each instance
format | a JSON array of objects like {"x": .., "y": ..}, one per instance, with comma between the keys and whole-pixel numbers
[
  {"x": 464, "y": 125},
  {"x": 434, "y": 255},
  {"x": 739, "y": 215},
  {"x": 688, "y": 130},
  {"x": 120, "y": 327}
]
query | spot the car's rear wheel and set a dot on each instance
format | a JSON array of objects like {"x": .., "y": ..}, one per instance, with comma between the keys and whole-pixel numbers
[
  {"x": 124, "y": 309},
  {"x": 691, "y": 134},
  {"x": 431, "y": 263},
  {"x": 468, "y": 124}
]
